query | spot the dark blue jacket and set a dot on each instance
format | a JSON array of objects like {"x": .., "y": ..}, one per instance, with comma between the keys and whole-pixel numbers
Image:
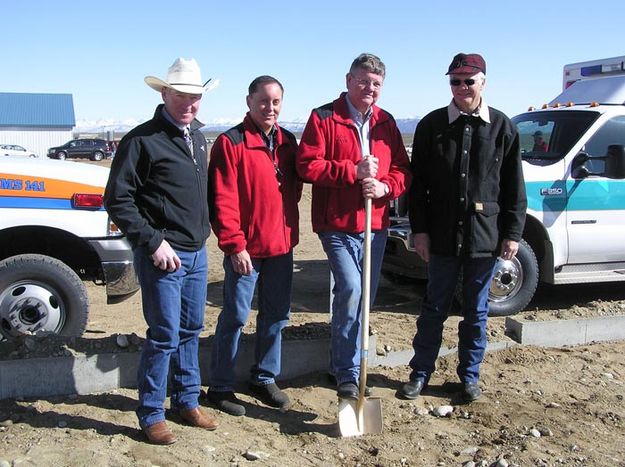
[{"x": 156, "y": 190}]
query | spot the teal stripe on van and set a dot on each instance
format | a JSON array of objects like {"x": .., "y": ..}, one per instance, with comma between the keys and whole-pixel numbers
[{"x": 576, "y": 195}]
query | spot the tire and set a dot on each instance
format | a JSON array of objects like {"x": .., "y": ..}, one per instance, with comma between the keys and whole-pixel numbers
[
  {"x": 514, "y": 282},
  {"x": 513, "y": 286},
  {"x": 40, "y": 293},
  {"x": 97, "y": 156},
  {"x": 61, "y": 155}
]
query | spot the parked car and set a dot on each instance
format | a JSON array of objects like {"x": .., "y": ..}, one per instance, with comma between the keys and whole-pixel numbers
[
  {"x": 94, "y": 149},
  {"x": 15, "y": 150}
]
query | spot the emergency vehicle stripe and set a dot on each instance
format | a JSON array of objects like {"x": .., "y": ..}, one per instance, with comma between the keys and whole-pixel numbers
[
  {"x": 34, "y": 203},
  {"x": 576, "y": 195},
  {"x": 22, "y": 202},
  {"x": 43, "y": 187}
]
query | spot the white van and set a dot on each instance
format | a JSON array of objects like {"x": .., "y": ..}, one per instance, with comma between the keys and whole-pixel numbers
[
  {"x": 55, "y": 234},
  {"x": 573, "y": 153}
]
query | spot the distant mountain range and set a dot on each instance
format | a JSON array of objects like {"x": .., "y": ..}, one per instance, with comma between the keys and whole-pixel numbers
[{"x": 405, "y": 125}]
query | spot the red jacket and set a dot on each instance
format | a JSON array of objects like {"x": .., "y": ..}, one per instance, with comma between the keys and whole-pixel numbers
[
  {"x": 327, "y": 155},
  {"x": 253, "y": 207}
]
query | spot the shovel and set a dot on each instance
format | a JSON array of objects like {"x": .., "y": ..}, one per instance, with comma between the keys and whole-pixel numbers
[{"x": 362, "y": 416}]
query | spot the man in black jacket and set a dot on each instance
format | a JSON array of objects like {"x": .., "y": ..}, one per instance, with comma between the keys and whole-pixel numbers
[
  {"x": 467, "y": 205},
  {"x": 157, "y": 195}
]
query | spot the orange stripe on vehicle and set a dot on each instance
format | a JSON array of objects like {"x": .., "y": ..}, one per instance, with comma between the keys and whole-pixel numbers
[{"x": 43, "y": 187}]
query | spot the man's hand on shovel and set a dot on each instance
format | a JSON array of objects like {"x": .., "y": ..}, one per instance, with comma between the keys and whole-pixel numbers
[
  {"x": 373, "y": 188},
  {"x": 367, "y": 168}
]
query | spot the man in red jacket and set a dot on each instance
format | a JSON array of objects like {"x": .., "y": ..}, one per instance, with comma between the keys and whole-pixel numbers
[
  {"x": 255, "y": 191},
  {"x": 352, "y": 149}
]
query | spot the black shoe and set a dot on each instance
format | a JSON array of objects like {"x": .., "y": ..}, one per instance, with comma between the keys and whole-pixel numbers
[
  {"x": 226, "y": 401},
  {"x": 271, "y": 395},
  {"x": 332, "y": 380},
  {"x": 347, "y": 391},
  {"x": 471, "y": 392},
  {"x": 411, "y": 389}
]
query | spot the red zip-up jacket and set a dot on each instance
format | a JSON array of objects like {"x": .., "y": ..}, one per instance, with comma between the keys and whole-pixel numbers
[
  {"x": 327, "y": 156},
  {"x": 253, "y": 204}
]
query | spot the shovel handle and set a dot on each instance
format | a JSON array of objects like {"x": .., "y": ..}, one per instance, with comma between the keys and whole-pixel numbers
[{"x": 365, "y": 300}]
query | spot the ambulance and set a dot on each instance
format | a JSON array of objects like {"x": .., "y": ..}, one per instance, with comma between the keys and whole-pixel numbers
[
  {"x": 54, "y": 235},
  {"x": 573, "y": 151}
]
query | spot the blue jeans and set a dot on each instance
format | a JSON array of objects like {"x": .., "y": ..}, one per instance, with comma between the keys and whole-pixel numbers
[
  {"x": 443, "y": 274},
  {"x": 173, "y": 307},
  {"x": 345, "y": 252},
  {"x": 274, "y": 277}
]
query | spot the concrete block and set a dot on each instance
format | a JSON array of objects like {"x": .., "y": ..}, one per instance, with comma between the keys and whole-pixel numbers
[
  {"x": 96, "y": 372},
  {"x": 53, "y": 376},
  {"x": 299, "y": 357},
  {"x": 559, "y": 333},
  {"x": 85, "y": 374},
  {"x": 402, "y": 357}
]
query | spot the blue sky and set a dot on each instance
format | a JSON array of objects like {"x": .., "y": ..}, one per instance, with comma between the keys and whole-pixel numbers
[{"x": 101, "y": 51}]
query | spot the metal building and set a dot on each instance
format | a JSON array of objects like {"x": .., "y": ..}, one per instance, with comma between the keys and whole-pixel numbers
[{"x": 36, "y": 121}]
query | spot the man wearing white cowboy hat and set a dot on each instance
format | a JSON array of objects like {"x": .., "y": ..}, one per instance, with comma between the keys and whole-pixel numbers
[{"x": 157, "y": 195}]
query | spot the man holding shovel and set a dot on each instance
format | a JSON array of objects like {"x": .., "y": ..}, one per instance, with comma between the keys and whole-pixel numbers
[{"x": 351, "y": 150}]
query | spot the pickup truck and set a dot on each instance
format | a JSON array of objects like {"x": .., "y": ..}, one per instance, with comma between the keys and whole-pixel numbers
[
  {"x": 55, "y": 234},
  {"x": 575, "y": 183}
]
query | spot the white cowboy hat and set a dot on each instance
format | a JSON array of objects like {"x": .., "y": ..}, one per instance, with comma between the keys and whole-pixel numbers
[{"x": 183, "y": 76}]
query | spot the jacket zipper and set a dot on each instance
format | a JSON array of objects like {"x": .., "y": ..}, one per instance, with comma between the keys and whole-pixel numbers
[{"x": 279, "y": 175}]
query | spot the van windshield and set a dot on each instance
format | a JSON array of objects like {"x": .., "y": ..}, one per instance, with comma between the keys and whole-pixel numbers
[{"x": 546, "y": 137}]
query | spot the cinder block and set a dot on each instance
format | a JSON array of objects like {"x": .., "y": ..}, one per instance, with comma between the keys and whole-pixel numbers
[
  {"x": 85, "y": 374},
  {"x": 559, "y": 333},
  {"x": 96, "y": 372}
]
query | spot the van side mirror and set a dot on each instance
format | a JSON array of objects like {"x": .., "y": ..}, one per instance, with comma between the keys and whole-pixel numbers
[
  {"x": 614, "y": 164},
  {"x": 578, "y": 166}
]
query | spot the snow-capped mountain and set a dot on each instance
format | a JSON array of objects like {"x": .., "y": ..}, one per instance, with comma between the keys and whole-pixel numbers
[{"x": 405, "y": 125}]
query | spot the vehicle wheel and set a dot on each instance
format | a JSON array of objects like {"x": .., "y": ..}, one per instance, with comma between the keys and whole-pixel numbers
[
  {"x": 514, "y": 282},
  {"x": 61, "y": 155},
  {"x": 40, "y": 293},
  {"x": 97, "y": 156},
  {"x": 33, "y": 156},
  {"x": 513, "y": 286}
]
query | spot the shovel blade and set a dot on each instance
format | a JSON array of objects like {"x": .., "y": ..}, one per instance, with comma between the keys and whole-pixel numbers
[{"x": 370, "y": 421}]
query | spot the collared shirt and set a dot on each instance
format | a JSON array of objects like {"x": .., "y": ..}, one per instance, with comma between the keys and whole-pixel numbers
[
  {"x": 361, "y": 122},
  {"x": 453, "y": 112},
  {"x": 269, "y": 138},
  {"x": 171, "y": 120},
  {"x": 186, "y": 132}
]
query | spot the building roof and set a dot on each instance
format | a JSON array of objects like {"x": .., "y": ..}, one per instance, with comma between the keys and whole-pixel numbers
[{"x": 19, "y": 109}]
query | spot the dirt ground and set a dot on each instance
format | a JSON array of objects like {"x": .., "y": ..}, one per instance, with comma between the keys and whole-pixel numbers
[{"x": 540, "y": 407}]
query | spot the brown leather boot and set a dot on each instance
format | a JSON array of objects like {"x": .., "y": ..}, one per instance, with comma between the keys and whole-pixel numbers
[
  {"x": 195, "y": 417},
  {"x": 159, "y": 433}
]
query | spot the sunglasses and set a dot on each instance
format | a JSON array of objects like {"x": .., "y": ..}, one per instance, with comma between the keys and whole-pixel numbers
[{"x": 458, "y": 82}]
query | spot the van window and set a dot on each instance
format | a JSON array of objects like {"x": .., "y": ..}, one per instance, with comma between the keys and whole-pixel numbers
[
  {"x": 546, "y": 137},
  {"x": 612, "y": 132}
]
